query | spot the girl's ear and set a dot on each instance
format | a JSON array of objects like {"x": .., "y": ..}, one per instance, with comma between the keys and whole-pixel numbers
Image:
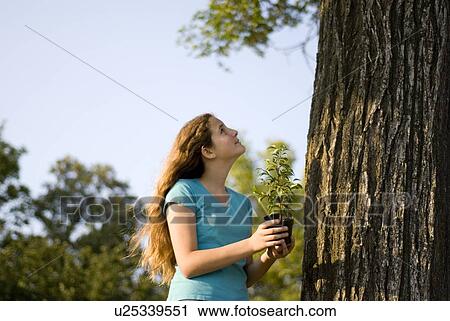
[{"x": 206, "y": 152}]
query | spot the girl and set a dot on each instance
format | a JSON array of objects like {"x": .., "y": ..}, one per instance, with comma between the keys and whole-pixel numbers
[{"x": 202, "y": 244}]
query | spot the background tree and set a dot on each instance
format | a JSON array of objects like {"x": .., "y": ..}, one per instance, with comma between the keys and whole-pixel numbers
[
  {"x": 14, "y": 197},
  {"x": 73, "y": 258},
  {"x": 379, "y": 131},
  {"x": 232, "y": 25},
  {"x": 282, "y": 281},
  {"x": 72, "y": 182}
]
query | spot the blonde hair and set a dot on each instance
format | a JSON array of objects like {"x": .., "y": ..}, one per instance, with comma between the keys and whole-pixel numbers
[{"x": 184, "y": 161}]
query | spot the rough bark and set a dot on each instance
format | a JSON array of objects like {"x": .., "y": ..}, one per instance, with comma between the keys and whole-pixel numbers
[{"x": 377, "y": 163}]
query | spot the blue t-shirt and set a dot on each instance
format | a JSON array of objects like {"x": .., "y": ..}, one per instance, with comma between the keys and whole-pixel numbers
[{"x": 217, "y": 224}]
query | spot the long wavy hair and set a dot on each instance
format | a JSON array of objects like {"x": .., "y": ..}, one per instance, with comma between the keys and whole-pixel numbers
[{"x": 184, "y": 161}]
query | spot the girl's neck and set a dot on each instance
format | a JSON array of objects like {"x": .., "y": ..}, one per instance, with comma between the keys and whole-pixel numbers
[{"x": 215, "y": 184}]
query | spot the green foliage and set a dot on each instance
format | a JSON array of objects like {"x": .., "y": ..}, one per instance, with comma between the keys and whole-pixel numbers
[
  {"x": 280, "y": 190},
  {"x": 14, "y": 197},
  {"x": 75, "y": 259},
  {"x": 34, "y": 268},
  {"x": 73, "y": 179},
  {"x": 234, "y": 24}
]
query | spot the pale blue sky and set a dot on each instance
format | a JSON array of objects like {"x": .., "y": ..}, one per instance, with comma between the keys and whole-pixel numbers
[{"x": 54, "y": 105}]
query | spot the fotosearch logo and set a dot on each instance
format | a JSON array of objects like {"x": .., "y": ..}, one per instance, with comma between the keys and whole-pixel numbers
[{"x": 335, "y": 209}]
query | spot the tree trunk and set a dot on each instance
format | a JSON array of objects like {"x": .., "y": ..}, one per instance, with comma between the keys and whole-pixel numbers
[{"x": 377, "y": 213}]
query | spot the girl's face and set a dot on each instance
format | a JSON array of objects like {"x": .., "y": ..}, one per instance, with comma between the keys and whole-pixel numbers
[{"x": 225, "y": 141}]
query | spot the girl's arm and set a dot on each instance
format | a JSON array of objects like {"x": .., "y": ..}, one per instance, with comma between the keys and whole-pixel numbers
[
  {"x": 256, "y": 269},
  {"x": 193, "y": 262}
]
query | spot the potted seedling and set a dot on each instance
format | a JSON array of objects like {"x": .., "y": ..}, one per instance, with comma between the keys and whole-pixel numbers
[{"x": 279, "y": 188}]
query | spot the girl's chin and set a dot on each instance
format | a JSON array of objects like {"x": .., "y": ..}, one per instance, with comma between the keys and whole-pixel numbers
[{"x": 242, "y": 147}]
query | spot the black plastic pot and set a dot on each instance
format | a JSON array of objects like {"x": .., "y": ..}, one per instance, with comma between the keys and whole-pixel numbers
[{"x": 287, "y": 221}]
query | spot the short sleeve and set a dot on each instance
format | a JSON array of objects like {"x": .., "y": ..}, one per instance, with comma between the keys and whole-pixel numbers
[
  {"x": 249, "y": 216},
  {"x": 180, "y": 193}
]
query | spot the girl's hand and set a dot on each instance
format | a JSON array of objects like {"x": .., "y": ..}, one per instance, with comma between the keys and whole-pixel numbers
[
  {"x": 280, "y": 251},
  {"x": 266, "y": 236}
]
